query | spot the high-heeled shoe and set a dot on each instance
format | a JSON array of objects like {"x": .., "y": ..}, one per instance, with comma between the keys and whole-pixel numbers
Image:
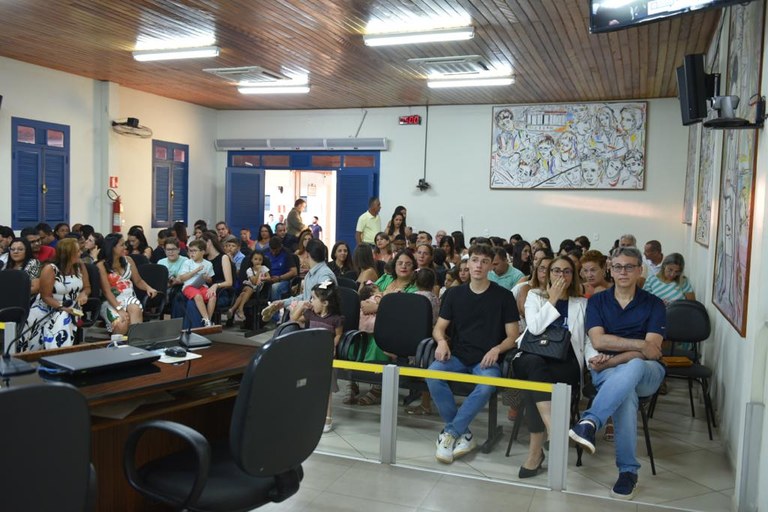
[{"x": 529, "y": 473}]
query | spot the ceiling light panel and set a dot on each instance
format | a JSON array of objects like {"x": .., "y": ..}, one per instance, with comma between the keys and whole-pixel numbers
[{"x": 178, "y": 53}]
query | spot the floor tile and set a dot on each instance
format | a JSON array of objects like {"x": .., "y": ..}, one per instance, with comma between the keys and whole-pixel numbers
[
  {"x": 549, "y": 501},
  {"x": 333, "y": 502},
  {"x": 299, "y": 502},
  {"x": 456, "y": 493},
  {"x": 710, "y": 502},
  {"x": 429, "y": 463},
  {"x": 703, "y": 467},
  {"x": 320, "y": 471},
  {"x": 401, "y": 486}
]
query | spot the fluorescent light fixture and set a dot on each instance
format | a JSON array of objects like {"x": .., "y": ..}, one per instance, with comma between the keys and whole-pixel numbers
[
  {"x": 470, "y": 82},
  {"x": 297, "y": 80},
  {"x": 431, "y": 36},
  {"x": 275, "y": 89},
  {"x": 177, "y": 53}
]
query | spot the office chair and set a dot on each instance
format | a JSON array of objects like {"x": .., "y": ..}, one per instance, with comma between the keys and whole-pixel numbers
[
  {"x": 688, "y": 322},
  {"x": 53, "y": 471},
  {"x": 157, "y": 277},
  {"x": 261, "y": 460},
  {"x": 346, "y": 282},
  {"x": 15, "y": 298}
]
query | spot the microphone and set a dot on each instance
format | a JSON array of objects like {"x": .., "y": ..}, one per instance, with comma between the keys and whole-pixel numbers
[
  {"x": 188, "y": 339},
  {"x": 10, "y": 366}
]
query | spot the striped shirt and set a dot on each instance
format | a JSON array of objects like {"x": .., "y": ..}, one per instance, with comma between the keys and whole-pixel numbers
[{"x": 668, "y": 292}]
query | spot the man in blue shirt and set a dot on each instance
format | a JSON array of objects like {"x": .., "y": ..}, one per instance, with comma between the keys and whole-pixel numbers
[
  {"x": 626, "y": 327},
  {"x": 282, "y": 268}
]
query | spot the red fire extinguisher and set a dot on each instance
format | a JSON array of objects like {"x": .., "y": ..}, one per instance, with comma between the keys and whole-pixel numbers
[{"x": 117, "y": 210}]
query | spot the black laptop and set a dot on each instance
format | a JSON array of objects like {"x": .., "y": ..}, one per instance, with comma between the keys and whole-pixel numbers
[
  {"x": 99, "y": 360},
  {"x": 156, "y": 334}
]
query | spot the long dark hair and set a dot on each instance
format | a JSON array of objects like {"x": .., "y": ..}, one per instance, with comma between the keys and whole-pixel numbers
[
  {"x": 329, "y": 291},
  {"x": 138, "y": 232},
  {"x": 213, "y": 237},
  {"x": 517, "y": 257},
  {"x": 108, "y": 248},
  {"x": 391, "y": 231},
  {"x": 348, "y": 261},
  {"x": 362, "y": 259},
  {"x": 269, "y": 229},
  {"x": 27, "y": 254},
  {"x": 181, "y": 231},
  {"x": 458, "y": 242}
]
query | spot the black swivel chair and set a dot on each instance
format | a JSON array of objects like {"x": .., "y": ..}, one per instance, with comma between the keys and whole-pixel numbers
[
  {"x": 15, "y": 298},
  {"x": 346, "y": 282},
  {"x": 261, "y": 460},
  {"x": 155, "y": 276},
  {"x": 46, "y": 474},
  {"x": 688, "y": 322}
]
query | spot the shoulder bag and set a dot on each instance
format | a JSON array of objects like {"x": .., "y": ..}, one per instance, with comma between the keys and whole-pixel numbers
[{"x": 551, "y": 344}]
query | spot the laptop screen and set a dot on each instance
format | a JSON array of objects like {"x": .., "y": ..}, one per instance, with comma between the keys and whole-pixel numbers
[{"x": 157, "y": 334}]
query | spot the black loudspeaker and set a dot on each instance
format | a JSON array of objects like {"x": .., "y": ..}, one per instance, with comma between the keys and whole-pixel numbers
[{"x": 694, "y": 88}]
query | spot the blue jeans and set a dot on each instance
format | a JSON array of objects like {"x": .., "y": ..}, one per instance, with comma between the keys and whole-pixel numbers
[
  {"x": 457, "y": 419},
  {"x": 619, "y": 389},
  {"x": 277, "y": 290}
]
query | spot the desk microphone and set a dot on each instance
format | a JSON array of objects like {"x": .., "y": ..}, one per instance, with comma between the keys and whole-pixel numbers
[
  {"x": 191, "y": 340},
  {"x": 10, "y": 366}
]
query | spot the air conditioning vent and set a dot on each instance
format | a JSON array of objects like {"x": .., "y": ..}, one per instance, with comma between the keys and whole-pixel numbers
[
  {"x": 238, "y": 144},
  {"x": 450, "y": 66},
  {"x": 252, "y": 74},
  {"x": 357, "y": 143},
  {"x": 371, "y": 143}
]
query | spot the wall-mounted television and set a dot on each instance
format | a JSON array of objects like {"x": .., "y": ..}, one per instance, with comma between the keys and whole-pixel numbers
[
  {"x": 694, "y": 88},
  {"x": 609, "y": 15}
]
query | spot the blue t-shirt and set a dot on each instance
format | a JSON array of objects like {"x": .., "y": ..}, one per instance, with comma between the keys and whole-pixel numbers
[
  {"x": 279, "y": 264},
  {"x": 644, "y": 314}
]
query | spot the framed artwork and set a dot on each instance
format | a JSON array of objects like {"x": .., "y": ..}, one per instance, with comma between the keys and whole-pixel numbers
[
  {"x": 704, "y": 188},
  {"x": 690, "y": 174},
  {"x": 569, "y": 146},
  {"x": 734, "y": 225}
]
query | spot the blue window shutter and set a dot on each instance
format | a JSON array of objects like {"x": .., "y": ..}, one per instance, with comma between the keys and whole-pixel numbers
[
  {"x": 179, "y": 187},
  {"x": 26, "y": 187},
  {"x": 161, "y": 195},
  {"x": 244, "y": 199},
  {"x": 55, "y": 177},
  {"x": 353, "y": 190}
]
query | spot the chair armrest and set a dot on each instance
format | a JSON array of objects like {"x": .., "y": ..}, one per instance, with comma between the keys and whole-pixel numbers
[
  {"x": 425, "y": 353},
  {"x": 200, "y": 447},
  {"x": 8, "y": 313},
  {"x": 357, "y": 341}
]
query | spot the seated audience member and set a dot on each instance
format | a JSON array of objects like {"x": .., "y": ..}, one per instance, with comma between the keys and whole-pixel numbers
[
  {"x": 449, "y": 246},
  {"x": 541, "y": 243},
  {"x": 423, "y": 238},
  {"x": 76, "y": 228},
  {"x": 179, "y": 231},
  {"x": 75, "y": 235},
  {"x": 281, "y": 270},
  {"x": 119, "y": 274},
  {"x": 402, "y": 212},
  {"x": 521, "y": 257},
  {"x": 280, "y": 230},
  {"x": 439, "y": 237},
  {"x": 411, "y": 241},
  {"x": 223, "y": 269},
  {"x": 319, "y": 272},
  {"x": 625, "y": 325},
  {"x": 503, "y": 273},
  {"x": 138, "y": 247},
  {"x": 301, "y": 251},
  {"x": 91, "y": 248},
  {"x": 653, "y": 257},
  {"x": 458, "y": 243},
  {"x": 538, "y": 281},
  {"x": 398, "y": 244},
  {"x": 174, "y": 262},
  {"x": 583, "y": 243},
  {"x": 255, "y": 276},
  {"x": 245, "y": 239},
  {"x": 383, "y": 249},
  {"x": 425, "y": 282},
  {"x": 566, "y": 246},
  {"x": 424, "y": 255},
  {"x": 20, "y": 257},
  {"x": 195, "y": 274},
  {"x": 341, "y": 260},
  {"x": 222, "y": 231},
  {"x": 158, "y": 252},
  {"x": 46, "y": 234},
  {"x": 513, "y": 239},
  {"x": 627, "y": 240},
  {"x": 87, "y": 230},
  {"x": 364, "y": 264},
  {"x": 483, "y": 320},
  {"x": 593, "y": 273},
  {"x": 265, "y": 235},
  {"x": 559, "y": 304},
  {"x": 6, "y": 236},
  {"x": 396, "y": 226},
  {"x": 64, "y": 287},
  {"x": 669, "y": 284},
  {"x": 231, "y": 246},
  {"x": 60, "y": 231},
  {"x": 41, "y": 252},
  {"x": 496, "y": 241}
]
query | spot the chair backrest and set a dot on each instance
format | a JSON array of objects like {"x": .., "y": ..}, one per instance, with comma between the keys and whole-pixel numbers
[
  {"x": 52, "y": 470},
  {"x": 95, "y": 280},
  {"x": 402, "y": 321},
  {"x": 345, "y": 282},
  {"x": 687, "y": 321},
  {"x": 156, "y": 276},
  {"x": 15, "y": 296},
  {"x": 280, "y": 409},
  {"x": 350, "y": 308},
  {"x": 285, "y": 328}
]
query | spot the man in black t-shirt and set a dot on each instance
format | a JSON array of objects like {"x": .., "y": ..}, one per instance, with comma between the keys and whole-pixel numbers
[{"x": 483, "y": 321}]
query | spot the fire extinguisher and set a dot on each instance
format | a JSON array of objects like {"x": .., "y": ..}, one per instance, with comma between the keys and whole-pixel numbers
[{"x": 117, "y": 210}]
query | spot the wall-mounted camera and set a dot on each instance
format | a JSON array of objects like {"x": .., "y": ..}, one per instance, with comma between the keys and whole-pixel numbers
[{"x": 423, "y": 185}]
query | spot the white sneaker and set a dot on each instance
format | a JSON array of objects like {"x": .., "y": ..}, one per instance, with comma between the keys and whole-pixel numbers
[
  {"x": 464, "y": 445},
  {"x": 445, "y": 444},
  {"x": 206, "y": 322}
]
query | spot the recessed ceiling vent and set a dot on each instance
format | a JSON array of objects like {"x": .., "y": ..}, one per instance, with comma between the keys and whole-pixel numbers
[
  {"x": 450, "y": 66},
  {"x": 251, "y": 74}
]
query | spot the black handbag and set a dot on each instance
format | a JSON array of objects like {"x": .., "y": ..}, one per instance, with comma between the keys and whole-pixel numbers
[{"x": 551, "y": 344}]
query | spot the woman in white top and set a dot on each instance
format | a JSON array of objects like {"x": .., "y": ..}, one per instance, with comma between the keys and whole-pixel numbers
[{"x": 560, "y": 303}]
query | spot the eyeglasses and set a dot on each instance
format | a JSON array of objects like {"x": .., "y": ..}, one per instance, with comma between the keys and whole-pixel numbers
[
  {"x": 542, "y": 268},
  {"x": 406, "y": 264},
  {"x": 625, "y": 268},
  {"x": 172, "y": 249},
  {"x": 563, "y": 271}
]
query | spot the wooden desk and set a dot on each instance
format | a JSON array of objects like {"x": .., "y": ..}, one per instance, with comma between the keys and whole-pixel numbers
[{"x": 203, "y": 392}]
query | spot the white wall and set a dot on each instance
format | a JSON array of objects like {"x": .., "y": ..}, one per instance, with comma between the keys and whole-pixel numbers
[
  {"x": 87, "y": 106},
  {"x": 457, "y": 165}
]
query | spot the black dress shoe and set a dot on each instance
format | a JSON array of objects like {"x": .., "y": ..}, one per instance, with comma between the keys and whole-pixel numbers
[{"x": 529, "y": 473}]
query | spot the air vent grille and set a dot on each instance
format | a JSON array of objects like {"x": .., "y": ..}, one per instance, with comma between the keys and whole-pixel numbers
[
  {"x": 450, "y": 66},
  {"x": 252, "y": 74}
]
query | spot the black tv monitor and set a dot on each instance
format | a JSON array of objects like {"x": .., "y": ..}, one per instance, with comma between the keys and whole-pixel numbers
[
  {"x": 610, "y": 15},
  {"x": 692, "y": 89}
]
